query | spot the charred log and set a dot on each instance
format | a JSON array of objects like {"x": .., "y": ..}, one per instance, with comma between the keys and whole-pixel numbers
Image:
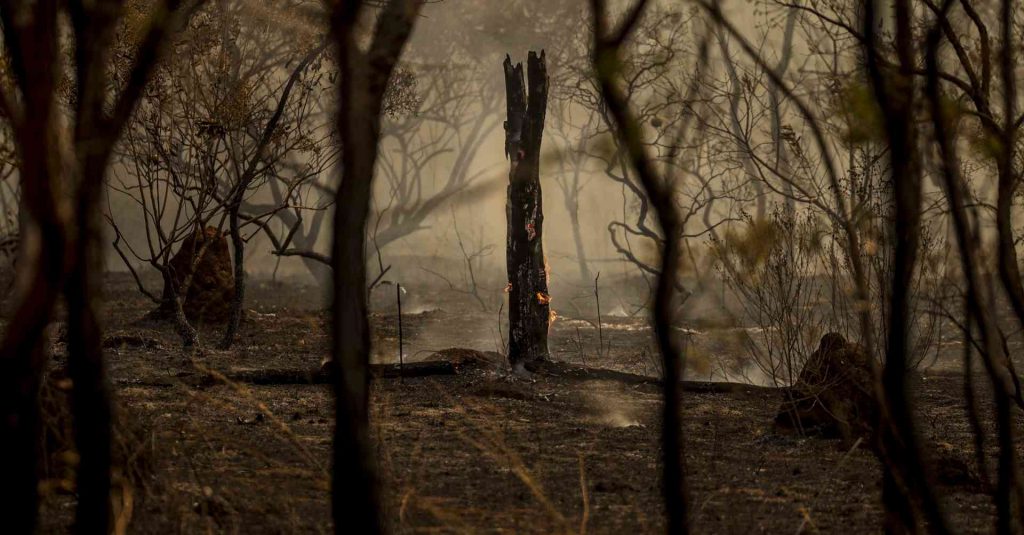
[{"x": 293, "y": 376}]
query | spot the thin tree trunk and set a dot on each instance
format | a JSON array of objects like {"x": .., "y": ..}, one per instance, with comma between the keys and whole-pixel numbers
[
  {"x": 607, "y": 42},
  {"x": 91, "y": 406},
  {"x": 66, "y": 259},
  {"x": 905, "y": 488},
  {"x": 23, "y": 355},
  {"x": 239, "y": 190},
  {"x": 174, "y": 295},
  {"x": 22, "y": 361},
  {"x": 577, "y": 236},
  {"x": 355, "y": 496},
  {"x": 781, "y": 151},
  {"x": 238, "y": 248},
  {"x": 40, "y": 271},
  {"x": 529, "y": 307},
  {"x": 188, "y": 334},
  {"x": 363, "y": 79}
]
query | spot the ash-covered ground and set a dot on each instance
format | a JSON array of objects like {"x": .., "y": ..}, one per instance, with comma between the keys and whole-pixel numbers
[{"x": 480, "y": 451}]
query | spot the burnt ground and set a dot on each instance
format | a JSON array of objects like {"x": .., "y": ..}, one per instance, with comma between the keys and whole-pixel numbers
[{"x": 480, "y": 451}]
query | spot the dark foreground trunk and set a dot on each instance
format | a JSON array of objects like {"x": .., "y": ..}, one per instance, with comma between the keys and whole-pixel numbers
[
  {"x": 906, "y": 492},
  {"x": 363, "y": 79},
  {"x": 22, "y": 352},
  {"x": 91, "y": 404},
  {"x": 527, "y": 271},
  {"x": 354, "y": 483}
]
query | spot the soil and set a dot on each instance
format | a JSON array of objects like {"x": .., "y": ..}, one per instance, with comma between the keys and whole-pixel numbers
[{"x": 483, "y": 451}]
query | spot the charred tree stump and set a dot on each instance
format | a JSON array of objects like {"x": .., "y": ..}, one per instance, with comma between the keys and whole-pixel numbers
[{"x": 528, "y": 297}]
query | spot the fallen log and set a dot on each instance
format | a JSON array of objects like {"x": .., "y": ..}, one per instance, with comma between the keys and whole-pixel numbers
[
  {"x": 561, "y": 369},
  {"x": 261, "y": 376},
  {"x": 456, "y": 359},
  {"x": 291, "y": 376}
]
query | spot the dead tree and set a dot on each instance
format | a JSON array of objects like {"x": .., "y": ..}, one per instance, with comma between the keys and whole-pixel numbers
[
  {"x": 904, "y": 482},
  {"x": 608, "y": 40},
  {"x": 980, "y": 293},
  {"x": 529, "y": 301},
  {"x": 243, "y": 185},
  {"x": 654, "y": 70},
  {"x": 197, "y": 155},
  {"x": 62, "y": 175},
  {"x": 364, "y": 76}
]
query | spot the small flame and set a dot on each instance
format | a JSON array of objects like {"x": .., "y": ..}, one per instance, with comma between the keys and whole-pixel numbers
[
  {"x": 543, "y": 298},
  {"x": 508, "y": 288},
  {"x": 552, "y": 316}
]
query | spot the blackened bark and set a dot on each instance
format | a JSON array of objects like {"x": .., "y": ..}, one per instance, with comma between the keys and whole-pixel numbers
[
  {"x": 1009, "y": 495},
  {"x": 238, "y": 248},
  {"x": 363, "y": 79},
  {"x": 906, "y": 492},
  {"x": 91, "y": 404},
  {"x": 23, "y": 355},
  {"x": 22, "y": 360},
  {"x": 529, "y": 307},
  {"x": 354, "y": 492},
  {"x": 65, "y": 259},
  {"x": 979, "y": 294},
  {"x": 40, "y": 274}
]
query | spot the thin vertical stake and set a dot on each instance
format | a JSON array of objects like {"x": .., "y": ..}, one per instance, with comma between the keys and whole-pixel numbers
[
  {"x": 600, "y": 330},
  {"x": 401, "y": 349}
]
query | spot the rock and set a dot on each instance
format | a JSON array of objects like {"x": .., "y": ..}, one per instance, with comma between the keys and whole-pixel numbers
[
  {"x": 834, "y": 394},
  {"x": 212, "y": 289}
]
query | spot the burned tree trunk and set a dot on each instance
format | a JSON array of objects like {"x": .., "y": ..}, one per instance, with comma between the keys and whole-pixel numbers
[
  {"x": 906, "y": 494},
  {"x": 91, "y": 403},
  {"x": 364, "y": 76},
  {"x": 529, "y": 307}
]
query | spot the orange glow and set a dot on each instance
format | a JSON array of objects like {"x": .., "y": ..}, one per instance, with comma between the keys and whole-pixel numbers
[{"x": 543, "y": 298}]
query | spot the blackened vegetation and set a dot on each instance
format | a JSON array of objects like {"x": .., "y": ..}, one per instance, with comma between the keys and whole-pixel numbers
[
  {"x": 529, "y": 301},
  {"x": 607, "y": 42},
  {"x": 61, "y": 192}
]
